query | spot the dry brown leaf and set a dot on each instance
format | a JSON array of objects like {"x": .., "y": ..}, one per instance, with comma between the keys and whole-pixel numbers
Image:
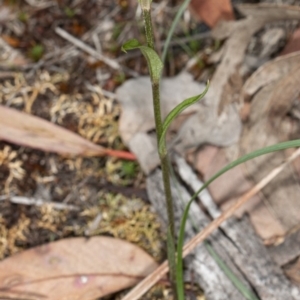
[
  {"x": 212, "y": 11},
  {"x": 270, "y": 11},
  {"x": 269, "y": 73},
  {"x": 284, "y": 95},
  {"x": 226, "y": 189},
  {"x": 293, "y": 44},
  {"x": 27, "y": 130},
  {"x": 11, "y": 41},
  {"x": 75, "y": 268},
  {"x": 209, "y": 119},
  {"x": 23, "y": 129},
  {"x": 293, "y": 271}
]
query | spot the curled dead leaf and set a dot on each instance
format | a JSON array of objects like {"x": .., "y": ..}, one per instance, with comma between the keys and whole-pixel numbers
[{"x": 269, "y": 73}]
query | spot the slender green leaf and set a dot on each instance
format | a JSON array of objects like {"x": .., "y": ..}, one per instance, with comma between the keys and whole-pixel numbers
[
  {"x": 263, "y": 151},
  {"x": 231, "y": 276},
  {"x": 236, "y": 282},
  {"x": 180, "y": 12},
  {"x": 173, "y": 114},
  {"x": 155, "y": 65}
]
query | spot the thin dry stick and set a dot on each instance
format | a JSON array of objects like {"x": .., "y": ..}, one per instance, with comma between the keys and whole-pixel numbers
[
  {"x": 81, "y": 45},
  {"x": 37, "y": 202},
  {"x": 140, "y": 289}
]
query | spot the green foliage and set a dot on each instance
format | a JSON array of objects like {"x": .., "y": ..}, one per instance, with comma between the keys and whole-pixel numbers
[
  {"x": 69, "y": 12},
  {"x": 180, "y": 12},
  {"x": 171, "y": 253},
  {"x": 130, "y": 45},
  {"x": 195, "y": 46},
  {"x": 237, "y": 283},
  {"x": 120, "y": 77},
  {"x": 263, "y": 151},
  {"x": 155, "y": 65},
  {"x": 23, "y": 16},
  {"x": 128, "y": 168},
  {"x": 36, "y": 52},
  {"x": 117, "y": 30},
  {"x": 217, "y": 45},
  {"x": 173, "y": 114}
]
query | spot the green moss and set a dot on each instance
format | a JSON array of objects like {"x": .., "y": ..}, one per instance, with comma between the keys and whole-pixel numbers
[
  {"x": 70, "y": 13},
  {"x": 36, "y": 52}
]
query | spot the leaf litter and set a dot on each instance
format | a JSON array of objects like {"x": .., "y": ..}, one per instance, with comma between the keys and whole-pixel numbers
[{"x": 48, "y": 197}]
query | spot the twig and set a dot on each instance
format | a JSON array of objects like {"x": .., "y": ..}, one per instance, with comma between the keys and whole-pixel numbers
[
  {"x": 105, "y": 93},
  {"x": 79, "y": 44},
  {"x": 37, "y": 202},
  {"x": 154, "y": 277}
]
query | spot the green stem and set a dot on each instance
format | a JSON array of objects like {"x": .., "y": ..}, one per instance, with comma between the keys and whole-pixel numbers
[
  {"x": 163, "y": 158},
  {"x": 148, "y": 28},
  {"x": 167, "y": 188},
  {"x": 157, "y": 112},
  {"x": 168, "y": 194}
]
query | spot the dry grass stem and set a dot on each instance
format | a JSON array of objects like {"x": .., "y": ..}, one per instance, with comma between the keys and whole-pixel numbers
[{"x": 78, "y": 43}]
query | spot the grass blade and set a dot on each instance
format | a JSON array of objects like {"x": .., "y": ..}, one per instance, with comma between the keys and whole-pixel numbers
[
  {"x": 173, "y": 114},
  {"x": 180, "y": 12},
  {"x": 263, "y": 151},
  {"x": 231, "y": 276}
]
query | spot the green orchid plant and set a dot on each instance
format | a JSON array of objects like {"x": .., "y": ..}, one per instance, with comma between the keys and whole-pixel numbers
[{"x": 155, "y": 66}]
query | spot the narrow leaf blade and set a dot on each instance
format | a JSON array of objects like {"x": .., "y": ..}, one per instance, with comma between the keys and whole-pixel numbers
[
  {"x": 248, "y": 294},
  {"x": 256, "y": 153},
  {"x": 174, "y": 113}
]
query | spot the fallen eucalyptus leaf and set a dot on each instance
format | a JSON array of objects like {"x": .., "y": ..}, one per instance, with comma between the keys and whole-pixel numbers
[
  {"x": 23, "y": 129},
  {"x": 269, "y": 73},
  {"x": 75, "y": 268},
  {"x": 212, "y": 11}
]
